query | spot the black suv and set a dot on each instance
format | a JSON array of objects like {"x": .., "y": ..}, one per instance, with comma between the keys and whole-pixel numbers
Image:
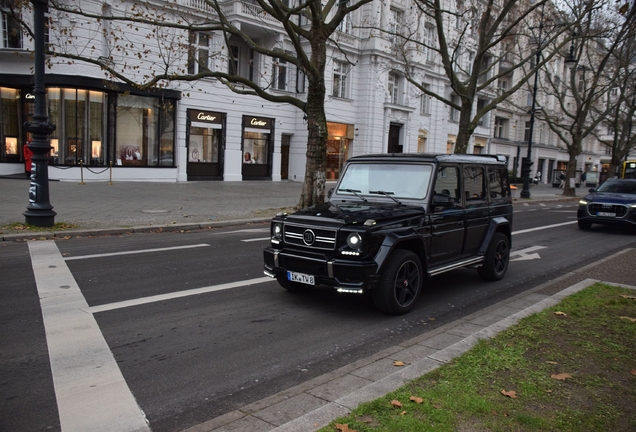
[{"x": 391, "y": 219}]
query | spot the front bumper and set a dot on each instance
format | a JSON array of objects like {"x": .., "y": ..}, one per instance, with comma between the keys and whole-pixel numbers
[
  {"x": 624, "y": 215},
  {"x": 338, "y": 273}
]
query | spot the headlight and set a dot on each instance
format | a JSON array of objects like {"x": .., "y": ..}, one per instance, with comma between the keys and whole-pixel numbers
[
  {"x": 583, "y": 202},
  {"x": 277, "y": 231},
  {"x": 354, "y": 241}
]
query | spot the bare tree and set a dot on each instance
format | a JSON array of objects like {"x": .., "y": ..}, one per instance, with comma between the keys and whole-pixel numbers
[
  {"x": 481, "y": 45},
  {"x": 149, "y": 40},
  {"x": 622, "y": 105},
  {"x": 582, "y": 101}
]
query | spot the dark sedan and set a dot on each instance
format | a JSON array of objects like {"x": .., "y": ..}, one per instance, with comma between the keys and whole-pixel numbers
[{"x": 612, "y": 203}]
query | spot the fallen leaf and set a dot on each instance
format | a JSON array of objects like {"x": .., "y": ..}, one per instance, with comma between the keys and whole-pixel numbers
[
  {"x": 561, "y": 376},
  {"x": 511, "y": 394},
  {"x": 403, "y": 413},
  {"x": 629, "y": 297},
  {"x": 633, "y": 372},
  {"x": 396, "y": 403},
  {"x": 416, "y": 399},
  {"x": 628, "y": 318},
  {"x": 548, "y": 391},
  {"x": 493, "y": 412},
  {"x": 398, "y": 363},
  {"x": 551, "y": 362},
  {"x": 431, "y": 318},
  {"x": 560, "y": 313},
  {"x": 344, "y": 428},
  {"x": 437, "y": 406}
]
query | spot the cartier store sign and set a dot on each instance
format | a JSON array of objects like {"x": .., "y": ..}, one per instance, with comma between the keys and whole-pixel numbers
[
  {"x": 257, "y": 122},
  {"x": 205, "y": 116}
]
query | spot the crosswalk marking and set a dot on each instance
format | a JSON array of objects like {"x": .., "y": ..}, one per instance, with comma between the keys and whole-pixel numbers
[{"x": 91, "y": 392}]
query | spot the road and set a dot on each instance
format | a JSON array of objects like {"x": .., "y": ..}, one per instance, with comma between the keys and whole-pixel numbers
[{"x": 187, "y": 356}]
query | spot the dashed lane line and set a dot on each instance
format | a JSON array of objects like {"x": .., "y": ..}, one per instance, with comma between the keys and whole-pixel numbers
[{"x": 135, "y": 252}]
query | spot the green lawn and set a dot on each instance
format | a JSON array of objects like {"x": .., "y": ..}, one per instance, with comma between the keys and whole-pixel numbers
[{"x": 569, "y": 368}]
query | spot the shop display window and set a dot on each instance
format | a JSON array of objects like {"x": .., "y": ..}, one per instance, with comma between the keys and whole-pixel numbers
[{"x": 256, "y": 148}]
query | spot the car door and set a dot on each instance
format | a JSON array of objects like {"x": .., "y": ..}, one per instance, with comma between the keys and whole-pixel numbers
[
  {"x": 446, "y": 221},
  {"x": 476, "y": 202}
]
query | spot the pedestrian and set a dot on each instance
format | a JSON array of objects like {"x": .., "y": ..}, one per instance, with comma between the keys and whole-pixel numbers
[
  {"x": 537, "y": 178},
  {"x": 26, "y": 151},
  {"x": 583, "y": 177},
  {"x": 562, "y": 178}
]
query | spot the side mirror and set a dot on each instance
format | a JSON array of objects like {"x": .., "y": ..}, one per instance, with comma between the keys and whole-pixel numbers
[
  {"x": 591, "y": 190},
  {"x": 443, "y": 200},
  {"x": 330, "y": 192}
]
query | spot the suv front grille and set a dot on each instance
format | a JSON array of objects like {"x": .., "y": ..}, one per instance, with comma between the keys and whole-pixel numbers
[
  {"x": 310, "y": 236},
  {"x": 620, "y": 210}
]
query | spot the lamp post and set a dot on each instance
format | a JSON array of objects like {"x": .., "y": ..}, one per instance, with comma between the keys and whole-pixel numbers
[
  {"x": 527, "y": 162},
  {"x": 39, "y": 211}
]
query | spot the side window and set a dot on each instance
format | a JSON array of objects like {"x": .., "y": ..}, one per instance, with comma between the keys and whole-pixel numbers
[
  {"x": 447, "y": 182},
  {"x": 474, "y": 184},
  {"x": 498, "y": 184}
]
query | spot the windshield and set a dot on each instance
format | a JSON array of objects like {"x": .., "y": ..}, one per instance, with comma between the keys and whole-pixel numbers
[
  {"x": 408, "y": 181},
  {"x": 626, "y": 187}
]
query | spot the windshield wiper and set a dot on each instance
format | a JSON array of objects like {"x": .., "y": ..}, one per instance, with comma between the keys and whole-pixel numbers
[
  {"x": 386, "y": 194},
  {"x": 355, "y": 192}
]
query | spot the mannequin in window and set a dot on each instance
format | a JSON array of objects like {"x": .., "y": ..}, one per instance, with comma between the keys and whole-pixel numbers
[{"x": 247, "y": 158}]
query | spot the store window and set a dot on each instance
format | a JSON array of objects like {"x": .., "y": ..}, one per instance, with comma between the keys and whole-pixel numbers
[
  {"x": 257, "y": 147},
  {"x": 144, "y": 134},
  {"x": 339, "y": 139},
  {"x": 80, "y": 120},
  {"x": 10, "y": 131}
]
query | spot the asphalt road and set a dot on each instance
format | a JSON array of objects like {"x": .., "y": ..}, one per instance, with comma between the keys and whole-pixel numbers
[{"x": 188, "y": 358}]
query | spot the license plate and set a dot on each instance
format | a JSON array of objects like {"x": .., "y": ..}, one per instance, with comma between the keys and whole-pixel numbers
[
  {"x": 606, "y": 214},
  {"x": 301, "y": 277}
]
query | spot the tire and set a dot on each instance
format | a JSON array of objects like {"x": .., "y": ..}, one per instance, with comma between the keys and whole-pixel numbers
[
  {"x": 497, "y": 258},
  {"x": 400, "y": 283},
  {"x": 294, "y": 287},
  {"x": 584, "y": 225}
]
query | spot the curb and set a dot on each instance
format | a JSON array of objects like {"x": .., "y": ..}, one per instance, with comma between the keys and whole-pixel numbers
[{"x": 45, "y": 235}]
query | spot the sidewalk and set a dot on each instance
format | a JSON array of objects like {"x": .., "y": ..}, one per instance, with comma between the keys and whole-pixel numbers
[{"x": 98, "y": 207}]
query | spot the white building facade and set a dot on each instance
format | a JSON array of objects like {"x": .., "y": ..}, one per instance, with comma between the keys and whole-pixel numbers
[{"x": 201, "y": 130}]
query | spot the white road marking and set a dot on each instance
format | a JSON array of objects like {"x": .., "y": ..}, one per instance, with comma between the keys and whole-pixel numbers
[
  {"x": 256, "y": 239},
  {"x": 251, "y": 230},
  {"x": 543, "y": 227},
  {"x": 542, "y": 204},
  {"x": 136, "y": 252},
  {"x": 525, "y": 255},
  {"x": 91, "y": 392},
  {"x": 174, "y": 295}
]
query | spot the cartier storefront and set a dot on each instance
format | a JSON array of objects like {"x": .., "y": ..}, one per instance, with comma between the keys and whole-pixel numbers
[{"x": 258, "y": 148}]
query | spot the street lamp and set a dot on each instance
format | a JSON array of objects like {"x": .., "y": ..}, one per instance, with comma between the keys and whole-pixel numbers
[
  {"x": 527, "y": 162},
  {"x": 39, "y": 211}
]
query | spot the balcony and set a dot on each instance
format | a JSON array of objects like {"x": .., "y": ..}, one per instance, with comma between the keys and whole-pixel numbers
[{"x": 245, "y": 12}]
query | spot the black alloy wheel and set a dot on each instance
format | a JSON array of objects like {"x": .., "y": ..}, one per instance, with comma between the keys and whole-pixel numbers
[
  {"x": 400, "y": 283},
  {"x": 496, "y": 259}
]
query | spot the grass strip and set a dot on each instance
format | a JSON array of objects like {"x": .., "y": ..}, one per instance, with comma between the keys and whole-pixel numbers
[{"x": 571, "y": 367}]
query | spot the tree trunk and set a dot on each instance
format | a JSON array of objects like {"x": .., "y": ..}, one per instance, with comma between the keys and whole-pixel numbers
[
  {"x": 464, "y": 131},
  {"x": 570, "y": 174},
  {"x": 314, "y": 186}
]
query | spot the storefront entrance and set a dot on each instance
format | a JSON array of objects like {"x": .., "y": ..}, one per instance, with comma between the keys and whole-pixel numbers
[
  {"x": 205, "y": 145},
  {"x": 257, "y": 148},
  {"x": 339, "y": 140}
]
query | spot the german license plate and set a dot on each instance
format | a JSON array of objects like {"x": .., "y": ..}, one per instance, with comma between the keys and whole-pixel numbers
[
  {"x": 301, "y": 277},
  {"x": 606, "y": 214}
]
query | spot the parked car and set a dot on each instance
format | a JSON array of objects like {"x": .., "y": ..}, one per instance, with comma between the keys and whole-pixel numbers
[
  {"x": 391, "y": 220},
  {"x": 612, "y": 203}
]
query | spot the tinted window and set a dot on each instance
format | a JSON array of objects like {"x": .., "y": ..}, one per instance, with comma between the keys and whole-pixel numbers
[
  {"x": 474, "y": 183},
  {"x": 447, "y": 182},
  {"x": 498, "y": 183}
]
